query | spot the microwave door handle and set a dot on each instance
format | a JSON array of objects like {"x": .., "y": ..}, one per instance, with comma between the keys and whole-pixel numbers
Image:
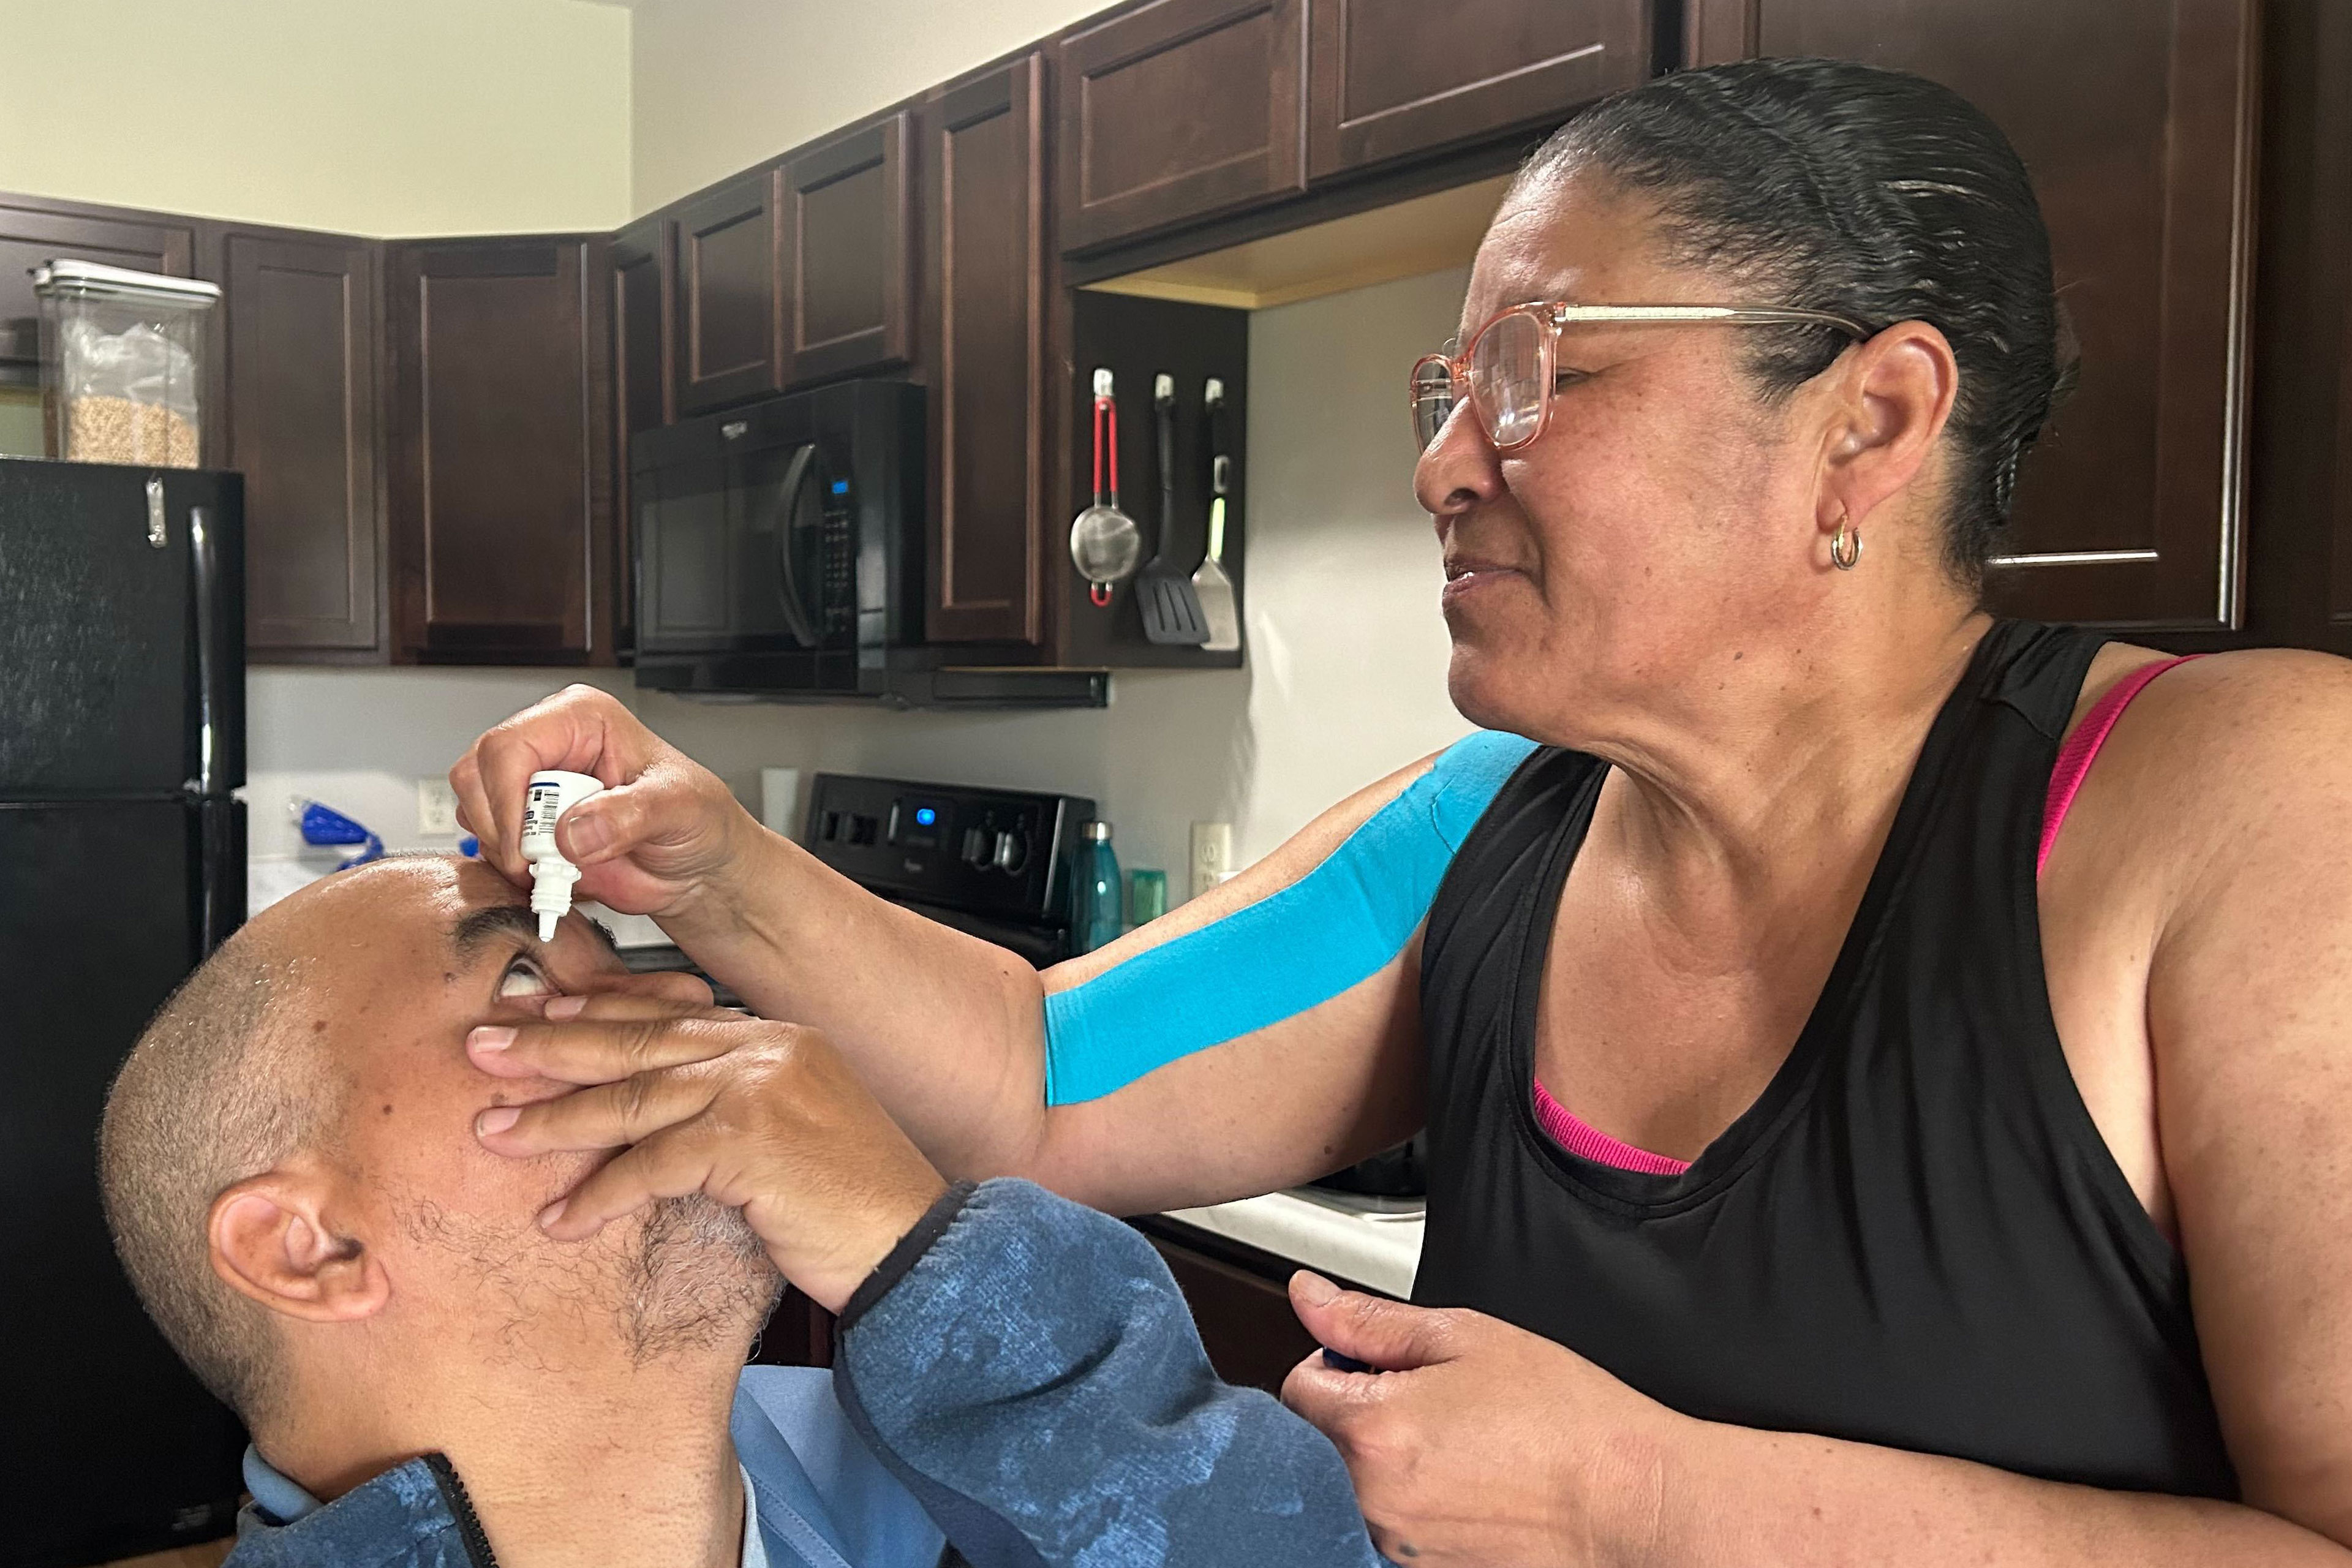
[{"x": 798, "y": 475}]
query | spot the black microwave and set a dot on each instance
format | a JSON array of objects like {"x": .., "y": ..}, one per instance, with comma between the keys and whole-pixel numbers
[
  {"x": 780, "y": 553},
  {"x": 779, "y": 546}
]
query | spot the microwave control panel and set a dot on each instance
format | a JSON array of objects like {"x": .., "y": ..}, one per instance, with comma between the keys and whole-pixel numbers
[{"x": 997, "y": 852}]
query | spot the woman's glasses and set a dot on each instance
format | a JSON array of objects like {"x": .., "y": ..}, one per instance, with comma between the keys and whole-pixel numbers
[{"x": 1508, "y": 373}]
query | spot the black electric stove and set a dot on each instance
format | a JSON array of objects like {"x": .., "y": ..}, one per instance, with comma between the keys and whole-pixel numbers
[{"x": 996, "y": 863}]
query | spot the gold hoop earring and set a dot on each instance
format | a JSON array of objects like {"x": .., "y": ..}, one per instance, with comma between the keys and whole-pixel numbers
[{"x": 1845, "y": 547}]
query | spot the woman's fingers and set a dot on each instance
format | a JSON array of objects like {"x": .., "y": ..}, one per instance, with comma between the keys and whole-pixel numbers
[
  {"x": 604, "y": 827},
  {"x": 608, "y": 1038},
  {"x": 580, "y": 729},
  {"x": 669, "y": 1165},
  {"x": 605, "y": 1117}
]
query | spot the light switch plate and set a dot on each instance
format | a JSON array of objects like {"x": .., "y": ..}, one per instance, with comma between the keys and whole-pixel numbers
[
  {"x": 1212, "y": 855},
  {"x": 437, "y": 809}
]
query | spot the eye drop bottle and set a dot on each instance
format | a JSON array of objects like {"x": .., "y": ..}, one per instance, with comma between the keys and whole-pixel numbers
[{"x": 552, "y": 793}]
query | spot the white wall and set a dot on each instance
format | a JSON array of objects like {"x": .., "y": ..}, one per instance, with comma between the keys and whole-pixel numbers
[
  {"x": 412, "y": 117},
  {"x": 722, "y": 84},
  {"x": 1345, "y": 678}
]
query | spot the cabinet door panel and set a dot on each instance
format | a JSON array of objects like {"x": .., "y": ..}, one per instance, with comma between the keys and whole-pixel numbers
[
  {"x": 500, "y": 440},
  {"x": 2137, "y": 123},
  {"x": 299, "y": 420},
  {"x": 984, "y": 232},
  {"x": 1178, "y": 111},
  {"x": 727, "y": 294},
  {"x": 848, "y": 307},
  {"x": 645, "y": 396},
  {"x": 33, "y": 232},
  {"x": 1391, "y": 78}
]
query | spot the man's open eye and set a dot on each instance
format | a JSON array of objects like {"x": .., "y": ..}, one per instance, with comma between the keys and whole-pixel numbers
[{"x": 522, "y": 978}]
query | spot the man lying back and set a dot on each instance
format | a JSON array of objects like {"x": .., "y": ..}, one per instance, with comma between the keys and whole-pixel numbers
[{"x": 295, "y": 1167}]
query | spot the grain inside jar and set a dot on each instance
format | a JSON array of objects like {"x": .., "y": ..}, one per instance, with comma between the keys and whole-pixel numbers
[{"x": 120, "y": 430}]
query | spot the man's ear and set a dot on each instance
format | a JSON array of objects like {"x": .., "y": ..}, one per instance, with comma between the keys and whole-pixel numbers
[
  {"x": 271, "y": 1240},
  {"x": 1895, "y": 398}
]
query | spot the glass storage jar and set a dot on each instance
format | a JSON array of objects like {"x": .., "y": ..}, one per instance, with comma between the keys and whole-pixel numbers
[{"x": 122, "y": 363}]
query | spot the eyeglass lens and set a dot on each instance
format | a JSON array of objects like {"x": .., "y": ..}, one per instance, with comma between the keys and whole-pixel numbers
[
  {"x": 1432, "y": 400},
  {"x": 1506, "y": 380}
]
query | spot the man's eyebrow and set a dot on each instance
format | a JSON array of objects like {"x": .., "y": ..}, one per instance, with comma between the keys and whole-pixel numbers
[
  {"x": 475, "y": 929},
  {"x": 478, "y": 928}
]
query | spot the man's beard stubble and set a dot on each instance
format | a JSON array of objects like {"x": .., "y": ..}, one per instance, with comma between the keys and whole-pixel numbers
[
  {"x": 695, "y": 1274},
  {"x": 699, "y": 1271}
]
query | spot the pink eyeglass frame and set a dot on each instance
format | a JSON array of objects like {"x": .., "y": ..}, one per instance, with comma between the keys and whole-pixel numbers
[{"x": 1554, "y": 315}]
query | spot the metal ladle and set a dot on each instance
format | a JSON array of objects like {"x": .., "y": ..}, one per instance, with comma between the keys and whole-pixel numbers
[{"x": 1104, "y": 544}]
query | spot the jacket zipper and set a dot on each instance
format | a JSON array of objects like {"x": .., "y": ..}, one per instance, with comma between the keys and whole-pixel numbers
[{"x": 461, "y": 1509}]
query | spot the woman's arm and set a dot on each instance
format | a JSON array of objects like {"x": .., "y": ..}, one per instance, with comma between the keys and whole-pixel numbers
[
  {"x": 1488, "y": 1444},
  {"x": 951, "y": 1031}
]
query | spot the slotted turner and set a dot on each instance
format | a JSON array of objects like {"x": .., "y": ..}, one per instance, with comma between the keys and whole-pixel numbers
[
  {"x": 1210, "y": 584},
  {"x": 1171, "y": 612}
]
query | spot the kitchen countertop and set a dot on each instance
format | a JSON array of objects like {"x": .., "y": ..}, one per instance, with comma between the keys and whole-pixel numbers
[{"x": 1378, "y": 1249}]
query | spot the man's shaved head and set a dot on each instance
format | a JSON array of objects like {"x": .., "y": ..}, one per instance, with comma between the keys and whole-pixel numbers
[
  {"x": 216, "y": 1090},
  {"x": 301, "y": 1114}
]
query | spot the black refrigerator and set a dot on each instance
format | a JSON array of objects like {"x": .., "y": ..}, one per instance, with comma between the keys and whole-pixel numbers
[{"x": 122, "y": 865}]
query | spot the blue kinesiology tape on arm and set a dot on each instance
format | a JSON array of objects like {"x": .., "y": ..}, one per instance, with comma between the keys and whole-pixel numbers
[{"x": 1334, "y": 928}]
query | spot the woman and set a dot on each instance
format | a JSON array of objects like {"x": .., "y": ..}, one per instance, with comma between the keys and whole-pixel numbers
[{"x": 1817, "y": 1174}]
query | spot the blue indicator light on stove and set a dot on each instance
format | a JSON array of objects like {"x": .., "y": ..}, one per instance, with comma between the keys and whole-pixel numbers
[
  {"x": 840, "y": 486},
  {"x": 925, "y": 816}
]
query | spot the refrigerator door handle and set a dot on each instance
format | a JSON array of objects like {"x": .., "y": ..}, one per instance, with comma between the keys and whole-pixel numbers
[{"x": 206, "y": 575}]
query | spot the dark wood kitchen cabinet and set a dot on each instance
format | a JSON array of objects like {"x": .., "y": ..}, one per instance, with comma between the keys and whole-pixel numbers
[
  {"x": 1390, "y": 79},
  {"x": 644, "y": 394},
  {"x": 730, "y": 301},
  {"x": 984, "y": 260},
  {"x": 34, "y": 230},
  {"x": 298, "y": 386},
  {"x": 1176, "y": 110},
  {"x": 2138, "y": 123},
  {"x": 501, "y": 450},
  {"x": 849, "y": 228}
]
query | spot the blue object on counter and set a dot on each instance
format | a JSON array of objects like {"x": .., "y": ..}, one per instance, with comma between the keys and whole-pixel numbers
[
  {"x": 324, "y": 825},
  {"x": 1334, "y": 928},
  {"x": 1102, "y": 895}
]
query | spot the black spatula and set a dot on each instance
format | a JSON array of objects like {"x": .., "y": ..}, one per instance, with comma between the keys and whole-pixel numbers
[{"x": 1163, "y": 591}]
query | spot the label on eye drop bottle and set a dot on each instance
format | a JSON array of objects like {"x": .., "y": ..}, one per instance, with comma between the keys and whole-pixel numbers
[
  {"x": 550, "y": 795},
  {"x": 540, "y": 811}
]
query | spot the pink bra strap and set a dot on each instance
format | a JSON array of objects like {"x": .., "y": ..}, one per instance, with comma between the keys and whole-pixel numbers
[
  {"x": 1570, "y": 1130},
  {"x": 2082, "y": 748}
]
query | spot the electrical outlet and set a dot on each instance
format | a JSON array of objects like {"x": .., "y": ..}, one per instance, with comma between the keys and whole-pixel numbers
[
  {"x": 1212, "y": 855},
  {"x": 437, "y": 809}
]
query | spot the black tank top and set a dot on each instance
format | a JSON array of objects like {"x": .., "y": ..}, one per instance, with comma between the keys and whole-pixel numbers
[{"x": 1915, "y": 1237}]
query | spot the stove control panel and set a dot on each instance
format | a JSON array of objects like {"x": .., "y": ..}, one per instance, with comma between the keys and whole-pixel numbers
[{"x": 994, "y": 852}]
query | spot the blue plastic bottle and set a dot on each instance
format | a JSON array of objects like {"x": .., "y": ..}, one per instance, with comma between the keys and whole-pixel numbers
[{"x": 1099, "y": 890}]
